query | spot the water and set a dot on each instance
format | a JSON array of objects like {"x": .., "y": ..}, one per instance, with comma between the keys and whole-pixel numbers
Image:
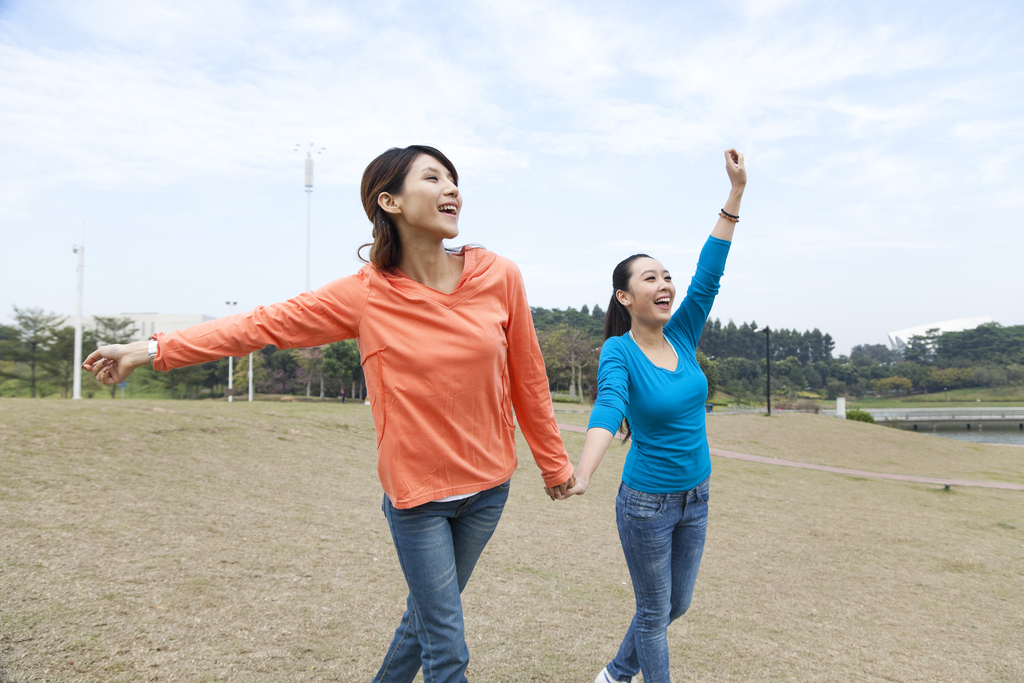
[{"x": 1005, "y": 436}]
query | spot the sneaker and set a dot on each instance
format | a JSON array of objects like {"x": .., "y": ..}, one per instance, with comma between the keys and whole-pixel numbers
[{"x": 605, "y": 677}]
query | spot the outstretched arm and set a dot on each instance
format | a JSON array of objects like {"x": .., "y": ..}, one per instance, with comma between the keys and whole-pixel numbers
[
  {"x": 738, "y": 177},
  {"x": 594, "y": 448},
  {"x": 329, "y": 314}
]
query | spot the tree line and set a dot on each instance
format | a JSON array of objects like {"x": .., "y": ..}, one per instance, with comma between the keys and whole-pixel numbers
[{"x": 37, "y": 359}]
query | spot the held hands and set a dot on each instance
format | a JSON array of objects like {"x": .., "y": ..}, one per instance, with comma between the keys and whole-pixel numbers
[
  {"x": 579, "y": 489},
  {"x": 736, "y": 170},
  {"x": 559, "y": 492},
  {"x": 113, "y": 363}
]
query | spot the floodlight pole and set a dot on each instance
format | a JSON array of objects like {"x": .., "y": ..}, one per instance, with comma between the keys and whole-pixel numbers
[
  {"x": 309, "y": 199},
  {"x": 768, "y": 366},
  {"x": 309, "y": 195},
  {"x": 77, "y": 391},
  {"x": 231, "y": 361}
]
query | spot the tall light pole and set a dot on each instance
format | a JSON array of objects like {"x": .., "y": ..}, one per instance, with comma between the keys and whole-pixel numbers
[
  {"x": 309, "y": 194},
  {"x": 231, "y": 361},
  {"x": 77, "y": 391},
  {"x": 768, "y": 365}
]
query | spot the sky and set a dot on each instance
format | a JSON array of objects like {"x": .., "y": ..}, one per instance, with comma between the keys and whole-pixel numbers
[{"x": 884, "y": 145}]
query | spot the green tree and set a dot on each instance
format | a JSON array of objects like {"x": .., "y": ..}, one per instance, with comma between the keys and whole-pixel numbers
[
  {"x": 34, "y": 331},
  {"x": 710, "y": 370},
  {"x": 10, "y": 345},
  {"x": 311, "y": 361},
  {"x": 59, "y": 360},
  {"x": 834, "y": 388},
  {"x": 571, "y": 350},
  {"x": 186, "y": 382},
  {"x": 921, "y": 347},
  {"x": 341, "y": 361},
  {"x": 990, "y": 344},
  {"x": 259, "y": 371}
]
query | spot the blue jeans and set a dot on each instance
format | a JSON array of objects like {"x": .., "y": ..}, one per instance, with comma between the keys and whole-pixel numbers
[
  {"x": 438, "y": 545},
  {"x": 662, "y": 536}
]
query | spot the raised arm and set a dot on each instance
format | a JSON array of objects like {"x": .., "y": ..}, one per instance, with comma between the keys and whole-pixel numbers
[
  {"x": 738, "y": 177},
  {"x": 688, "y": 320}
]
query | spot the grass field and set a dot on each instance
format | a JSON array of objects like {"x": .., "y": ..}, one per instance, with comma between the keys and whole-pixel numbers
[{"x": 205, "y": 541}]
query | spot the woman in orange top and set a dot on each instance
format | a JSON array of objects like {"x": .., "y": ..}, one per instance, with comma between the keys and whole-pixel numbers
[{"x": 447, "y": 345}]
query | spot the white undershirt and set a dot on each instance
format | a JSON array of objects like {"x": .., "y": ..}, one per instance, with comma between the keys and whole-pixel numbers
[{"x": 457, "y": 496}]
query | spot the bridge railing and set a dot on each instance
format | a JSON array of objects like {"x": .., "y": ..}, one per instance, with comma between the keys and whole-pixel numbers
[{"x": 948, "y": 414}]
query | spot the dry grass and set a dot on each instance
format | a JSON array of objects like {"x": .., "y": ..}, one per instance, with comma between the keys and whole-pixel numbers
[{"x": 206, "y": 541}]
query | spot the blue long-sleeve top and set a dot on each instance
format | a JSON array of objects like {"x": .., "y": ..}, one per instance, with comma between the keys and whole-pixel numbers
[{"x": 665, "y": 408}]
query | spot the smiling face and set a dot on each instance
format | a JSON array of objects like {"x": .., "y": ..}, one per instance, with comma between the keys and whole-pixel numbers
[
  {"x": 430, "y": 200},
  {"x": 651, "y": 293}
]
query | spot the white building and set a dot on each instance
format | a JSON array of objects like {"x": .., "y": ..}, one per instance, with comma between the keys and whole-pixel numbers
[
  {"x": 146, "y": 324},
  {"x": 900, "y": 339}
]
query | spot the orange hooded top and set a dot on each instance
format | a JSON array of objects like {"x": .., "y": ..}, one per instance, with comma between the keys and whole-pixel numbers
[{"x": 443, "y": 371}]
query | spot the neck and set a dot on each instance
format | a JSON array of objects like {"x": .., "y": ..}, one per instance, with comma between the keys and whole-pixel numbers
[
  {"x": 649, "y": 336},
  {"x": 426, "y": 261}
]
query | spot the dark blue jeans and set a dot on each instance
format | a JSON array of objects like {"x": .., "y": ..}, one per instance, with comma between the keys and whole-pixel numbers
[
  {"x": 438, "y": 545},
  {"x": 662, "y": 536}
]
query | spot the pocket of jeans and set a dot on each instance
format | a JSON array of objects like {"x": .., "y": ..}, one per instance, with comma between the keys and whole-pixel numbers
[
  {"x": 642, "y": 507},
  {"x": 704, "y": 490}
]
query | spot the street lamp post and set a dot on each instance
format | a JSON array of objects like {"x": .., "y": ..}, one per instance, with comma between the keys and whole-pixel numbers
[
  {"x": 76, "y": 392},
  {"x": 768, "y": 366},
  {"x": 231, "y": 361},
  {"x": 309, "y": 194}
]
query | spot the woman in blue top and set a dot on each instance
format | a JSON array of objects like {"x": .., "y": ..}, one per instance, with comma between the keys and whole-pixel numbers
[{"x": 649, "y": 378}]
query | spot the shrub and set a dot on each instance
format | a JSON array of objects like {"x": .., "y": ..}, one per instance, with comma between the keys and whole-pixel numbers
[
  {"x": 859, "y": 415},
  {"x": 565, "y": 398},
  {"x": 893, "y": 385}
]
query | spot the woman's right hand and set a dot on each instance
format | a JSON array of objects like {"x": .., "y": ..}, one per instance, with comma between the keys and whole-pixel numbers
[
  {"x": 113, "y": 363},
  {"x": 736, "y": 170}
]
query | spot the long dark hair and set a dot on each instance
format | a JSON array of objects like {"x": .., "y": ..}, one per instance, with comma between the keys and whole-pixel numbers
[
  {"x": 617, "y": 321},
  {"x": 387, "y": 173}
]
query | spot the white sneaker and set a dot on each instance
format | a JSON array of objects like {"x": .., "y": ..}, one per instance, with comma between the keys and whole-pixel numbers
[{"x": 605, "y": 677}]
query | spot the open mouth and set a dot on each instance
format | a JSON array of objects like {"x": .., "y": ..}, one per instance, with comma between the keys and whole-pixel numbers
[
  {"x": 663, "y": 301},
  {"x": 450, "y": 209}
]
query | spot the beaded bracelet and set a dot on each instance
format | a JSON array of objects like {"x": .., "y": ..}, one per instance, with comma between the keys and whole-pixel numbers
[{"x": 728, "y": 216}]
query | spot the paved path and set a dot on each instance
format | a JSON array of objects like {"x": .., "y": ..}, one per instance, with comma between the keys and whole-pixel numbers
[{"x": 839, "y": 470}]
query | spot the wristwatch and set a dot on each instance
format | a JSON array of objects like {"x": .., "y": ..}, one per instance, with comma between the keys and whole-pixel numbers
[{"x": 152, "y": 351}]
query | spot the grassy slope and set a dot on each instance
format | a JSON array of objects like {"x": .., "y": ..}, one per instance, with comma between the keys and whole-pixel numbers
[{"x": 207, "y": 541}]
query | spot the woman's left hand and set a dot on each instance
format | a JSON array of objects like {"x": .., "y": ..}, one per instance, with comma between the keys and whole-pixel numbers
[{"x": 558, "y": 492}]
